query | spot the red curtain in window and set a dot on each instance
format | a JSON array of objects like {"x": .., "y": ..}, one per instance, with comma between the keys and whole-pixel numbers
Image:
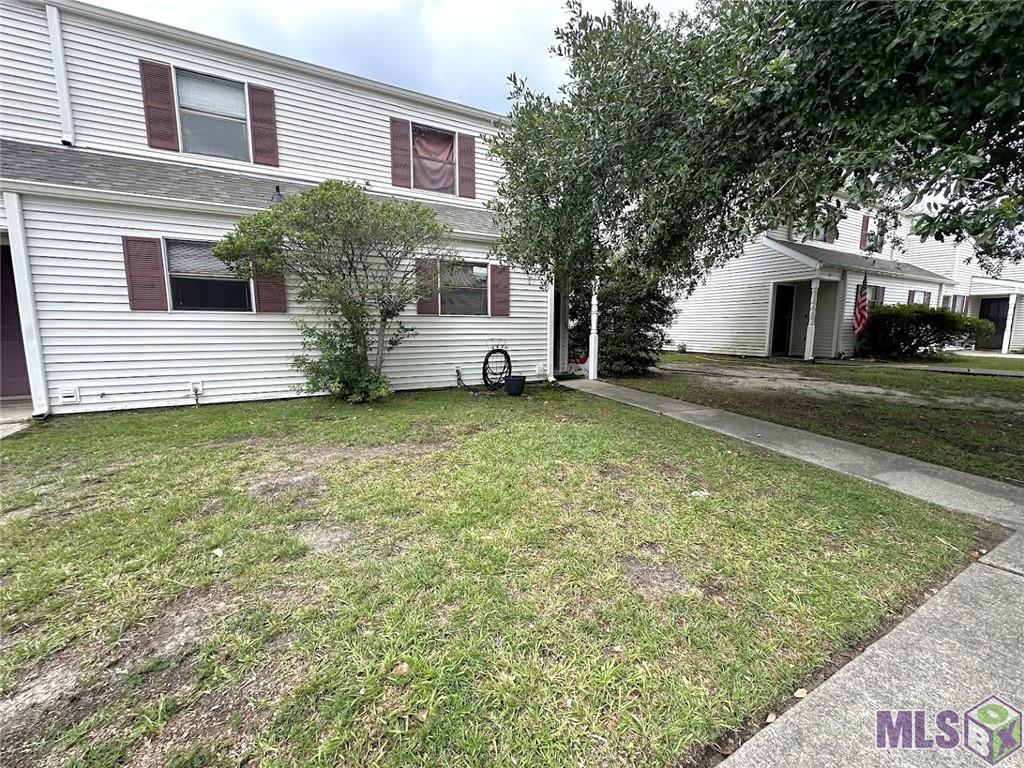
[{"x": 433, "y": 159}]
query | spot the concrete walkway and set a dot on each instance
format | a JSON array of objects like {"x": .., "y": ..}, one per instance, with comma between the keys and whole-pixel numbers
[
  {"x": 962, "y": 646},
  {"x": 979, "y": 496}
]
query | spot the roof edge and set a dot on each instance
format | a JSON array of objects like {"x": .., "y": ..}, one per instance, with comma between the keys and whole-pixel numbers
[{"x": 137, "y": 22}]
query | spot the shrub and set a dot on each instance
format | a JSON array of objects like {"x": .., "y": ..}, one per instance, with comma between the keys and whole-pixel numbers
[
  {"x": 916, "y": 330},
  {"x": 634, "y": 310}
]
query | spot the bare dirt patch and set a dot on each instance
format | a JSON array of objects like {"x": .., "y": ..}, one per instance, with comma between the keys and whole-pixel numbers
[
  {"x": 772, "y": 378},
  {"x": 325, "y": 538},
  {"x": 653, "y": 577},
  {"x": 72, "y": 684}
]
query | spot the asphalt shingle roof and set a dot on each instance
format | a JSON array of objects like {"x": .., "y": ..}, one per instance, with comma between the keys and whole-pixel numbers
[
  {"x": 859, "y": 262},
  {"x": 71, "y": 167}
]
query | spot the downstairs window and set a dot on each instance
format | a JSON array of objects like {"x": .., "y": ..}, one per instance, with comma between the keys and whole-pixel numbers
[{"x": 199, "y": 281}]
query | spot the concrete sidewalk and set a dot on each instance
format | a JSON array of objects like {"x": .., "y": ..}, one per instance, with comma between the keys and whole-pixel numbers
[
  {"x": 979, "y": 496},
  {"x": 962, "y": 646}
]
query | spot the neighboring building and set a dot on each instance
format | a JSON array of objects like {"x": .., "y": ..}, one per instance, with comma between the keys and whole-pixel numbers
[
  {"x": 792, "y": 296},
  {"x": 128, "y": 147}
]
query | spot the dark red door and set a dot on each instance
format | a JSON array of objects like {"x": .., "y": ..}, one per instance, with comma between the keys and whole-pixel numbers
[{"x": 13, "y": 371}]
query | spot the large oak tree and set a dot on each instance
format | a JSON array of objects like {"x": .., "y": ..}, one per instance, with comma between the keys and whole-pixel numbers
[{"x": 675, "y": 140}]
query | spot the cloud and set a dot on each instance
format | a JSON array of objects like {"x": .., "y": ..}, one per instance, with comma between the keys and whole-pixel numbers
[{"x": 461, "y": 50}]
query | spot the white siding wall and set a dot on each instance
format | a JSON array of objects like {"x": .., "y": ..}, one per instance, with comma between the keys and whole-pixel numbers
[
  {"x": 123, "y": 359},
  {"x": 1017, "y": 332},
  {"x": 326, "y": 128},
  {"x": 729, "y": 313},
  {"x": 28, "y": 96}
]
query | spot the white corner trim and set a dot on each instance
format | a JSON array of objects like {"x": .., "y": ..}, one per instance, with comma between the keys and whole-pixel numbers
[
  {"x": 60, "y": 75},
  {"x": 778, "y": 247},
  {"x": 1011, "y": 310},
  {"x": 550, "y": 336},
  {"x": 26, "y": 305}
]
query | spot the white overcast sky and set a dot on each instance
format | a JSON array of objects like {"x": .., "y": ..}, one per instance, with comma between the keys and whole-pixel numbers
[{"x": 461, "y": 50}]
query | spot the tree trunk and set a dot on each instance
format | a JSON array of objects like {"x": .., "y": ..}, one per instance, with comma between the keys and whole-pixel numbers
[{"x": 378, "y": 356}]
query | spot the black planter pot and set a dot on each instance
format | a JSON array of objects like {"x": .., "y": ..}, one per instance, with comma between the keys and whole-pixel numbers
[{"x": 514, "y": 385}]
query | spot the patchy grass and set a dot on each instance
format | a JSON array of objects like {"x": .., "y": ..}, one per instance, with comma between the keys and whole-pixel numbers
[
  {"x": 971, "y": 423},
  {"x": 1002, "y": 363},
  {"x": 440, "y": 580}
]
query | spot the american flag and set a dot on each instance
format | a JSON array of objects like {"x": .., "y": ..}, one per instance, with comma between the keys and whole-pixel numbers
[{"x": 860, "y": 309}]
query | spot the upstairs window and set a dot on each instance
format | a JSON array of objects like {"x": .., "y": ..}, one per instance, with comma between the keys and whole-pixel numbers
[
  {"x": 463, "y": 288},
  {"x": 433, "y": 159},
  {"x": 214, "y": 120},
  {"x": 199, "y": 281}
]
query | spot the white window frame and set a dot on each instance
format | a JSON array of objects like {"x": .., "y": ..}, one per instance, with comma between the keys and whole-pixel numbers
[
  {"x": 167, "y": 280},
  {"x": 412, "y": 158},
  {"x": 177, "y": 114},
  {"x": 440, "y": 289}
]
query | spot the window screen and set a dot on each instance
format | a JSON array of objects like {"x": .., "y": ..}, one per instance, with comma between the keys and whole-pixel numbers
[
  {"x": 199, "y": 281},
  {"x": 433, "y": 159},
  {"x": 213, "y": 116},
  {"x": 463, "y": 289}
]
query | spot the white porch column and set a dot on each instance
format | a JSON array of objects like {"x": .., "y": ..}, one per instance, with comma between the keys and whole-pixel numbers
[
  {"x": 812, "y": 316},
  {"x": 550, "y": 345},
  {"x": 592, "y": 355},
  {"x": 26, "y": 305},
  {"x": 1010, "y": 311}
]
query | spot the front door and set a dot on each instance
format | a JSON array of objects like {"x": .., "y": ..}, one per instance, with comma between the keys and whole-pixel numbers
[
  {"x": 782, "y": 321},
  {"x": 994, "y": 310},
  {"x": 13, "y": 371}
]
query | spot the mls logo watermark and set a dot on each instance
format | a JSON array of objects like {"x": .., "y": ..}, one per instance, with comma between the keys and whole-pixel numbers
[{"x": 991, "y": 729}]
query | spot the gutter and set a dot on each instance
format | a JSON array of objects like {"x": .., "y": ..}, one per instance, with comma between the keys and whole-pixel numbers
[{"x": 27, "y": 306}]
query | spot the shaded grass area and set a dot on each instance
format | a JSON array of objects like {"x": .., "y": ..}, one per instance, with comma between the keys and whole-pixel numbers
[
  {"x": 441, "y": 580},
  {"x": 1003, "y": 363},
  {"x": 971, "y": 423}
]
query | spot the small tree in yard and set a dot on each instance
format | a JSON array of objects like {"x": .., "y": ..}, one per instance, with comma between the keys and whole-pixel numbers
[
  {"x": 635, "y": 308},
  {"x": 354, "y": 257}
]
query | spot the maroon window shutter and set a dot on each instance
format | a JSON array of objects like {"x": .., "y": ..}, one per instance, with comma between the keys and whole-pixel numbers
[
  {"x": 928, "y": 298},
  {"x": 499, "y": 291},
  {"x": 401, "y": 153},
  {"x": 158, "y": 104},
  {"x": 144, "y": 267},
  {"x": 879, "y": 295},
  {"x": 263, "y": 116},
  {"x": 864, "y": 224},
  {"x": 467, "y": 165},
  {"x": 270, "y": 295},
  {"x": 427, "y": 273},
  {"x": 910, "y": 297}
]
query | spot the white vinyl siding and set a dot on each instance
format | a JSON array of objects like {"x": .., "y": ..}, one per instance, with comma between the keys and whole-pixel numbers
[
  {"x": 28, "y": 91},
  {"x": 124, "y": 359},
  {"x": 325, "y": 128},
  {"x": 730, "y": 313}
]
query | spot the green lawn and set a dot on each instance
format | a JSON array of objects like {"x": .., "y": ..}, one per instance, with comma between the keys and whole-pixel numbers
[
  {"x": 993, "y": 363},
  {"x": 972, "y": 423},
  {"x": 439, "y": 580}
]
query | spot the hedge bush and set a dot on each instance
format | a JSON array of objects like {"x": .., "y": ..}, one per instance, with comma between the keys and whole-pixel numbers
[{"x": 917, "y": 330}]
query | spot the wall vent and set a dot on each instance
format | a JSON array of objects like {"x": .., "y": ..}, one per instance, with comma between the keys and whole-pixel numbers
[{"x": 69, "y": 396}]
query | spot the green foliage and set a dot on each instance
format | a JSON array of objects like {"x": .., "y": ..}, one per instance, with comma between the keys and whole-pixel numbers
[
  {"x": 674, "y": 141},
  {"x": 335, "y": 362},
  {"x": 916, "y": 330},
  {"x": 354, "y": 257},
  {"x": 634, "y": 309}
]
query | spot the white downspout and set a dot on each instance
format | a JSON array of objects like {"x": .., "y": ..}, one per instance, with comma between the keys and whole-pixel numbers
[
  {"x": 1008, "y": 329},
  {"x": 26, "y": 306},
  {"x": 592, "y": 356},
  {"x": 812, "y": 315},
  {"x": 60, "y": 75},
  {"x": 551, "y": 331}
]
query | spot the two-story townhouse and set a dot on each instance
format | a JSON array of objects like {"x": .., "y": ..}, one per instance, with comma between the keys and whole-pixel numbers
[
  {"x": 794, "y": 295},
  {"x": 128, "y": 147}
]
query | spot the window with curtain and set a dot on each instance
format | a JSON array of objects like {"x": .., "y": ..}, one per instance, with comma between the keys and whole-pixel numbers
[
  {"x": 876, "y": 295},
  {"x": 214, "y": 120},
  {"x": 918, "y": 297},
  {"x": 200, "y": 281},
  {"x": 955, "y": 302},
  {"x": 433, "y": 159},
  {"x": 463, "y": 288}
]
